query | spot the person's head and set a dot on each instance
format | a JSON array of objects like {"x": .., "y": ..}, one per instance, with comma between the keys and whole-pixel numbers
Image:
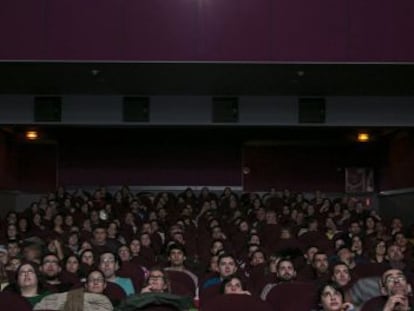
[
  {"x": 109, "y": 264},
  {"x": 254, "y": 238},
  {"x": 331, "y": 297},
  {"x": 95, "y": 282},
  {"x": 257, "y": 257},
  {"x": 310, "y": 253},
  {"x": 50, "y": 267},
  {"x": 394, "y": 253},
  {"x": 393, "y": 282},
  {"x": 320, "y": 262},
  {"x": 380, "y": 248},
  {"x": 72, "y": 263},
  {"x": 135, "y": 246},
  {"x": 32, "y": 252},
  {"x": 213, "y": 264},
  {"x": 216, "y": 247},
  {"x": 271, "y": 217},
  {"x": 27, "y": 276},
  {"x": 99, "y": 234},
  {"x": 158, "y": 280},
  {"x": 145, "y": 239},
  {"x": 396, "y": 224},
  {"x": 232, "y": 285},
  {"x": 14, "y": 263},
  {"x": 341, "y": 274},
  {"x": 112, "y": 230},
  {"x": 285, "y": 270},
  {"x": 354, "y": 228},
  {"x": 345, "y": 255},
  {"x": 124, "y": 253},
  {"x": 176, "y": 256},
  {"x": 357, "y": 243},
  {"x": 87, "y": 257},
  {"x": 400, "y": 239},
  {"x": 226, "y": 265}
]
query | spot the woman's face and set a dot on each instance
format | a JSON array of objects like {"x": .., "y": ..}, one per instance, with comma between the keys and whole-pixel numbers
[
  {"x": 356, "y": 243},
  {"x": 95, "y": 283},
  {"x": 234, "y": 286},
  {"x": 58, "y": 221},
  {"x": 124, "y": 253},
  {"x": 26, "y": 277},
  {"x": 135, "y": 246},
  {"x": 72, "y": 264},
  {"x": 331, "y": 299},
  {"x": 87, "y": 258},
  {"x": 381, "y": 248},
  {"x": 145, "y": 240},
  {"x": 69, "y": 221},
  {"x": 11, "y": 231}
]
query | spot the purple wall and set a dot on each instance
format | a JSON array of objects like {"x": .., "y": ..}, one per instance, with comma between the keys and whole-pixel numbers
[{"x": 213, "y": 30}]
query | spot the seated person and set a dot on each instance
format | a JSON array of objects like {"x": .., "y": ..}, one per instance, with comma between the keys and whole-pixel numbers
[
  {"x": 396, "y": 293},
  {"x": 233, "y": 285},
  {"x": 51, "y": 272},
  {"x": 109, "y": 263},
  {"x": 90, "y": 297},
  {"x": 331, "y": 298}
]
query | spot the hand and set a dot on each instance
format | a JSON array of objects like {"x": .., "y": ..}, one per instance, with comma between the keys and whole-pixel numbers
[
  {"x": 147, "y": 289},
  {"x": 347, "y": 306},
  {"x": 396, "y": 302}
]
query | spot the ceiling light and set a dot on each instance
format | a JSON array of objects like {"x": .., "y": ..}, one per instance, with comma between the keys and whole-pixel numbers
[{"x": 363, "y": 137}]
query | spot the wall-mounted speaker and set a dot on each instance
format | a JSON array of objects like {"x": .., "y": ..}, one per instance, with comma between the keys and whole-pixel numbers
[
  {"x": 312, "y": 110},
  {"x": 47, "y": 109},
  {"x": 136, "y": 109},
  {"x": 225, "y": 109}
]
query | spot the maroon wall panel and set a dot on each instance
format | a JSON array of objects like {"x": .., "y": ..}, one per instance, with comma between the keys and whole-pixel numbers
[
  {"x": 235, "y": 30},
  {"x": 145, "y": 164},
  {"x": 398, "y": 170},
  {"x": 8, "y": 163},
  {"x": 22, "y": 29},
  {"x": 295, "y": 168},
  {"x": 37, "y": 167},
  {"x": 305, "y": 30},
  {"x": 90, "y": 29},
  {"x": 381, "y": 30},
  {"x": 160, "y": 29}
]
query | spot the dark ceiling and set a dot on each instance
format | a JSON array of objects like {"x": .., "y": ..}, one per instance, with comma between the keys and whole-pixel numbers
[{"x": 207, "y": 78}]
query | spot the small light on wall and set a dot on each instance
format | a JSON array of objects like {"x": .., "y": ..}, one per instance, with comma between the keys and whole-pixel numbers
[
  {"x": 32, "y": 135},
  {"x": 363, "y": 137}
]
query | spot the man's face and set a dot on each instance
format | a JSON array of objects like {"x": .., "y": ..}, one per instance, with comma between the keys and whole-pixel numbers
[
  {"x": 310, "y": 253},
  {"x": 355, "y": 228},
  {"x": 13, "y": 249},
  {"x": 394, "y": 253},
  {"x": 257, "y": 259},
  {"x": 346, "y": 256},
  {"x": 108, "y": 265},
  {"x": 341, "y": 275},
  {"x": 99, "y": 235},
  {"x": 227, "y": 266},
  {"x": 50, "y": 267},
  {"x": 320, "y": 263},
  {"x": 395, "y": 283},
  {"x": 286, "y": 271},
  {"x": 176, "y": 257}
]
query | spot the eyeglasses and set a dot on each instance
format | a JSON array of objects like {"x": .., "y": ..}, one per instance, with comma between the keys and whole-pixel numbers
[
  {"x": 156, "y": 277},
  {"x": 29, "y": 272},
  {"x": 392, "y": 279},
  {"x": 108, "y": 260}
]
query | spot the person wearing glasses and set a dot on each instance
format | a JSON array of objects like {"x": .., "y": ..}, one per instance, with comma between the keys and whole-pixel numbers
[
  {"x": 109, "y": 263},
  {"x": 396, "y": 293},
  {"x": 88, "y": 298}
]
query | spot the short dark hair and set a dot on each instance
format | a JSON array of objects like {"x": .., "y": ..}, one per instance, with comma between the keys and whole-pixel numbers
[{"x": 332, "y": 284}]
